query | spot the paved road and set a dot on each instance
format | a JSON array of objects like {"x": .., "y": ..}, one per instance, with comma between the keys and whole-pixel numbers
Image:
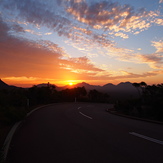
[{"x": 85, "y": 133}]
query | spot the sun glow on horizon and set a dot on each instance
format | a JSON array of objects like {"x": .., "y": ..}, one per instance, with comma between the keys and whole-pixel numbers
[{"x": 71, "y": 83}]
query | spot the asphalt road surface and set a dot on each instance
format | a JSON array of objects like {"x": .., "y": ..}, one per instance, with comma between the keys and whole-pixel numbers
[{"x": 85, "y": 133}]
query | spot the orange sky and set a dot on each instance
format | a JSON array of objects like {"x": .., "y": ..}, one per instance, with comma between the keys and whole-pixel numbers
[{"x": 81, "y": 41}]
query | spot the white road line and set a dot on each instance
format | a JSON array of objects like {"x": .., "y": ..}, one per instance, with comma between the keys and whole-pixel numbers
[
  {"x": 79, "y": 108},
  {"x": 86, "y": 115},
  {"x": 147, "y": 138},
  {"x": 8, "y": 139}
]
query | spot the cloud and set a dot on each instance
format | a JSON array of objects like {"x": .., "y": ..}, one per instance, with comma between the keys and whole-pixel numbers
[
  {"x": 129, "y": 75},
  {"x": 82, "y": 21},
  {"x": 24, "y": 81},
  {"x": 107, "y": 15},
  {"x": 22, "y": 78},
  {"x": 81, "y": 64},
  {"x": 113, "y": 75},
  {"x": 32, "y": 32},
  {"x": 17, "y": 28},
  {"x": 38, "y": 13},
  {"x": 120, "y": 34},
  {"x": 54, "y": 48},
  {"x": 48, "y": 33},
  {"x": 161, "y": 1},
  {"x": 23, "y": 58},
  {"x": 33, "y": 62},
  {"x": 87, "y": 25},
  {"x": 158, "y": 45},
  {"x": 159, "y": 21},
  {"x": 153, "y": 60},
  {"x": 3, "y": 30}
]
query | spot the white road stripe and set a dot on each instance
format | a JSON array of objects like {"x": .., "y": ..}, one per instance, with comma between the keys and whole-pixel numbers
[
  {"x": 79, "y": 108},
  {"x": 86, "y": 115},
  {"x": 8, "y": 139},
  {"x": 147, "y": 138}
]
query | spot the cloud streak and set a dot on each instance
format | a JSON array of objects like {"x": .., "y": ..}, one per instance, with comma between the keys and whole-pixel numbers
[
  {"x": 155, "y": 60},
  {"x": 81, "y": 64}
]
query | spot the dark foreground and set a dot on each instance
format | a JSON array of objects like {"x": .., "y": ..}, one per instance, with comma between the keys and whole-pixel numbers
[{"x": 86, "y": 133}]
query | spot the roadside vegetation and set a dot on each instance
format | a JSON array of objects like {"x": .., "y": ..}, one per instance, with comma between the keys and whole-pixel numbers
[
  {"x": 15, "y": 102},
  {"x": 148, "y": 105}
]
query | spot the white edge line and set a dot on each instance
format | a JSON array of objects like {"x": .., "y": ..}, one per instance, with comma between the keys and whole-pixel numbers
[
  {"x": 7, "y": 142},
  {"x": 85, "y": 115},
  {"x": 8, "y": 139},
  {"x": 147, "y": 138}
]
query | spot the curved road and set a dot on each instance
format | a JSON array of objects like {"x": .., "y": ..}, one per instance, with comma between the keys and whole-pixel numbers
[{"x": 84, "y": 132}]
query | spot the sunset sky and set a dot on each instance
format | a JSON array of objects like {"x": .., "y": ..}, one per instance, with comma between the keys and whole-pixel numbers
[{"x": 93, "y": 41}]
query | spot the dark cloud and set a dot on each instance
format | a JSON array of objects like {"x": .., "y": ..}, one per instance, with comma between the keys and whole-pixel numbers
[
  {"x": 37, "y": 13},
  {"x": 3, "y": 30},
  {"x": 62, "y": 16},
  {"x": 17, "y": 28},
  {"x": 154, "y": 60}
]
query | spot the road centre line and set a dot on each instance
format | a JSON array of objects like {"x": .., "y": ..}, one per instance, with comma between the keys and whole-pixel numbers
[
  {"x": 86, "y": 115},
  {"x": 147, "y": 138}
]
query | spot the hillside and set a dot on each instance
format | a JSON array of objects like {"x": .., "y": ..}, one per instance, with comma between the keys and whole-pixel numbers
[
  {"x": 121, "y": 91},
  {"x": 3, "y": 85}
]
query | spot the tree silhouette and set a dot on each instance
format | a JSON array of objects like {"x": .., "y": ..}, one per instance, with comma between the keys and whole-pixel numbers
[
  {"x": 137, "y": 86},
  {"x": 142, "y": 85},
  {"x": 96, "y": 96}
]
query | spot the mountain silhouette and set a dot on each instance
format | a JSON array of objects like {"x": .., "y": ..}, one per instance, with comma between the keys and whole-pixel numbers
[
  {"x": 3, "y": 85},
  {"x": 46, "y": 85},
  {"x": 88, "y": 86},
  {"x": 123, "y": 90}
]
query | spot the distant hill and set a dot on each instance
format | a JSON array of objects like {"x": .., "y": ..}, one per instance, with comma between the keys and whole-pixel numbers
[
  {"x": 124, "y": 90},
  {"x": 45, "y": 85},
  {"x": 3, "y": 85},
  {"x": 88, "y": 86},
  {"x": 56, "y": 87}
]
